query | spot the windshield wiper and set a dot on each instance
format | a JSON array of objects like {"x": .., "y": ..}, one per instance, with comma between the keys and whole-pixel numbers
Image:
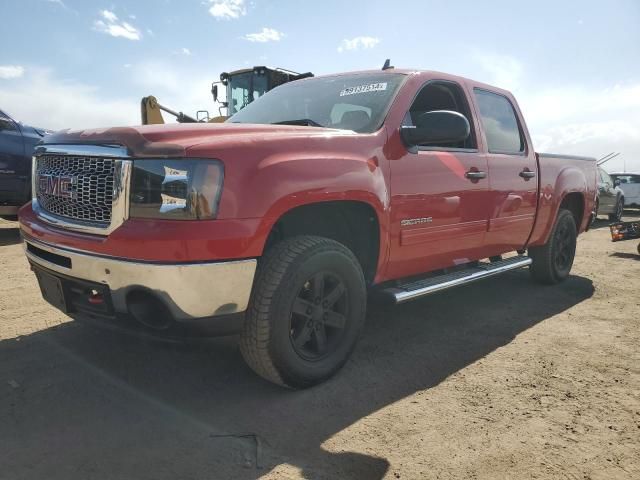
[{"x": 300, "y": 121}]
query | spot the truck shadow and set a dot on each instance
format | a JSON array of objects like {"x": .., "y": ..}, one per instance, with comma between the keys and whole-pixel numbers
[{"x": 84, "y": 402}]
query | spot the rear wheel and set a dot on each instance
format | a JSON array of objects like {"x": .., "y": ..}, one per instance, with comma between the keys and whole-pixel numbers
[
  {"x": 616, "y": 216},
  {"x": 552, "y": 262},
  {"x": 306, "y": 311}
]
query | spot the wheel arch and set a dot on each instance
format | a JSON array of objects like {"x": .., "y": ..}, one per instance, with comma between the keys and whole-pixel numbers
[
  {"x": 354, "y": 223},
  {"x": 575, "y": 203}
]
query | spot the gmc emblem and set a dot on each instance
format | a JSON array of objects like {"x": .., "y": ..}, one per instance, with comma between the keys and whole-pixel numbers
[{"x": 56, "y": 186}]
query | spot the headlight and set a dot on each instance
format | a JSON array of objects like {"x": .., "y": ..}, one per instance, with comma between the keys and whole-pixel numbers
[{"x": 184, "y": 189}]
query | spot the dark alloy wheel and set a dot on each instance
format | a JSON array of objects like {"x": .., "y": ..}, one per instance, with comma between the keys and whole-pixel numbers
[
  {"x": 552, "y": 262},
  {"x": 306, "y": 311},
  {"x": 564, "y": 248},
  {"x": 318, "y": 316}
]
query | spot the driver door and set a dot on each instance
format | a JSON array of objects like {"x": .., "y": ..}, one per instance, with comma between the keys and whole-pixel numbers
[{"x": 439, "y": 213}]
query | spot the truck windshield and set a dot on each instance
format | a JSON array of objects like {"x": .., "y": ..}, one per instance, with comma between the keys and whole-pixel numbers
[
  {"x": 355, "y": 102},
  {"x": 244, "y": 88}
]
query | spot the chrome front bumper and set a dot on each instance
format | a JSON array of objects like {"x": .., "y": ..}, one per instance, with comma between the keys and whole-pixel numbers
[{"x": 193, "y": 290}]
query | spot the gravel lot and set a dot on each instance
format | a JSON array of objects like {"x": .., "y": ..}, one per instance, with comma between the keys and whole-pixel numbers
[{"x": 501, "y": 379}]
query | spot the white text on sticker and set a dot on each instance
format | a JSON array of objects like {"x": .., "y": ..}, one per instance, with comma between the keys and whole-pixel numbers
[{"x": 372, "y": 87}]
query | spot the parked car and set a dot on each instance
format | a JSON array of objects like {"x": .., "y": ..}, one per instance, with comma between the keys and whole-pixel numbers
[
  {"x": 16, "y": 149},
  {"x": 610, "y": 200},
  {"x": 630, "y": 184},
  {"x": 279, "y": 222}
]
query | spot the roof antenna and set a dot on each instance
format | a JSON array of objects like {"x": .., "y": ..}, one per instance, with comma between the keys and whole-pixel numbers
[{"x": 387, "y": 64}]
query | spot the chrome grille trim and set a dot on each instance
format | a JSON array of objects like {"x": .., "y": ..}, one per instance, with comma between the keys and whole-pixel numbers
[
  {"x": 101, "y": 192},
  {"x": 91, "y": 195}
]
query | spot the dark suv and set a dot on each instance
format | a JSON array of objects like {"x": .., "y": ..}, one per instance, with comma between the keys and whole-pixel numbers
[{"x": 16, "y": 147}]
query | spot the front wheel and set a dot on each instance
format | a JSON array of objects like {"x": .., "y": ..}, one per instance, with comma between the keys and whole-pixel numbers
[
  {"x": 616, "y": 216},
  {"x": 306, "y": 311},
  {"x": 552, "y": 262}
]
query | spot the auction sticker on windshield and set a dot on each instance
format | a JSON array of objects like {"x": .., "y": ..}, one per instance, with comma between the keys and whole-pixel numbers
[{"x": 372, "y": 87}]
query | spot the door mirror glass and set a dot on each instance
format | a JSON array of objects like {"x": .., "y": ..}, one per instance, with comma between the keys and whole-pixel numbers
[
  {"x": 436, "y": 127},
  {"x": 617, "y": 182},
  {"x": 214, "y": 92}
]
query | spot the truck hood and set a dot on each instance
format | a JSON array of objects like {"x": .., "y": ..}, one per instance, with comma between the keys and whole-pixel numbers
[{"x": 173, "y": 140}]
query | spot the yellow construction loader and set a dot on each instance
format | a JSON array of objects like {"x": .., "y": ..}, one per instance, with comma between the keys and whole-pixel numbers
[{"x": 241, "y": 88}]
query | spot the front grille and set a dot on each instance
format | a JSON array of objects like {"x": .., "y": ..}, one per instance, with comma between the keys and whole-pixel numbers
[{"x": 90, "y": 194}]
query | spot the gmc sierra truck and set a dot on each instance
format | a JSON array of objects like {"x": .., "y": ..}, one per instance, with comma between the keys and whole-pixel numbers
[{"x": 278, "y": 223}]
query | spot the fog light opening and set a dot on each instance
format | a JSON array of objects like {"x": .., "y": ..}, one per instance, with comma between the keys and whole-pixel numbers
[{"x": 149, "y": 310}]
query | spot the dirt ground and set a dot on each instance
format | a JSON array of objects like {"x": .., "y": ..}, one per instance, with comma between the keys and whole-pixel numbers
[{"x": 500, "y": 379}]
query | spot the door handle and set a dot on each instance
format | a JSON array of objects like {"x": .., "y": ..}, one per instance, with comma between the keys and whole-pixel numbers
[
  {"x": 527, "y": 174},
  {"x": 475, "y": 175}
]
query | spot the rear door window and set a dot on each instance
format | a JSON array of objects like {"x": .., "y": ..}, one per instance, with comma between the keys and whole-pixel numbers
[{"x": 500, "y": 123}]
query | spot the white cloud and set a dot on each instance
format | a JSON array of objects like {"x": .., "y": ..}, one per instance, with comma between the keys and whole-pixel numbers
[
  {"x": 504, "y": 71},
  {"x": 572, "y": 119},
  {"x": 11, "y": 71},
  {"x": 111, "y": 25},
  {"x": 585, "y": 121},
  {"x": 266, "y": 35},
  {"x": 63, "y": 5},
  {"x": 185, "y": 51},
  {"x": 358, "y": 43},
  {"x": 109, "y": 16},
  {"x": 67, "y": 104},
  {"x": 227, "y": 9}
]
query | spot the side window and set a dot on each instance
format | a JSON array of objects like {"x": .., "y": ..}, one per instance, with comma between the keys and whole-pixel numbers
[
  {"x": 605, "y": 177},
  {"x": 627, "y": 179},
  {"x": 442, "y": 95},
  {"x": 500, "y": 123},
  {"x": 6, "y": 123}
]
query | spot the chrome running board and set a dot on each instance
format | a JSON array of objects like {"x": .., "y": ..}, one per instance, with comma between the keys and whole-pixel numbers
[{"x": 409, "y": 291}]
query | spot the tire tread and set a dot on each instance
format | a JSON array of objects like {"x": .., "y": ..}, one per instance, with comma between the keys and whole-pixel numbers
[{"x": 273, "y": 268}]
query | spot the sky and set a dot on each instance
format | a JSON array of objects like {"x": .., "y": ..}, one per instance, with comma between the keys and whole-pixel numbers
[{"x": 574, "y": 66}]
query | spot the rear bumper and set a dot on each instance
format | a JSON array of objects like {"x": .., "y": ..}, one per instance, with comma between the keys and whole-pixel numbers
[{"x": 188, "y": 290}]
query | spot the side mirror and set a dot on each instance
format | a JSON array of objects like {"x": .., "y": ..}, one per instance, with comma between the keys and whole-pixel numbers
[
  {"x": 214, "y": 92},
  {"x": 617, "y": 182},
  {"x": 438, "y": 126}
]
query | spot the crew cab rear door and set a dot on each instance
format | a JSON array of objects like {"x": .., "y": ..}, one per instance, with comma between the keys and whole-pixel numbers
[
  {"x": 438, "y": 210},
  {"x": 12, "y": 157},
  {"x": 513, "y": 172}
]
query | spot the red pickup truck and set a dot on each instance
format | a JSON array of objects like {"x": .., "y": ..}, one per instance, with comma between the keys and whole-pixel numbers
[{"x": 278, "y": 223}]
